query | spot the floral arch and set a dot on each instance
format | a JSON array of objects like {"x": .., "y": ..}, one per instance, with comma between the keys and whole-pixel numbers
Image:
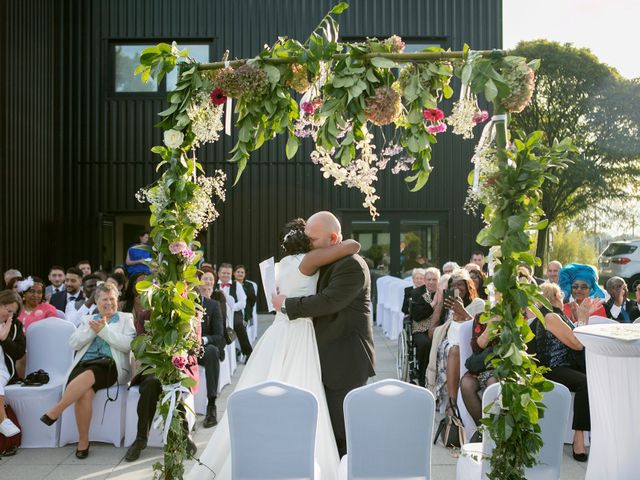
[{"x": 347, "y": 91}]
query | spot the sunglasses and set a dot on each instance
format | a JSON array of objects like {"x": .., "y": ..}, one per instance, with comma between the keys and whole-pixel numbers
[{"x": 580, "y": 287}]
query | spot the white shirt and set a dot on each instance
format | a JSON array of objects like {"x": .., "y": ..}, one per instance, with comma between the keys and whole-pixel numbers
[
  {"x": 75, "y": 315},
  {"x": 236, "y": 306},
  {"x": 615, "y": 309}
]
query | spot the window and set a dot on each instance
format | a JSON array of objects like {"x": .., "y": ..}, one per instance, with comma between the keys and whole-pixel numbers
[
  {"x": 375, "y": 241},
  {"x": 418, "y": 245},
  {"x": 618, "y": 249},
  {"x": 127, "y": 59}
]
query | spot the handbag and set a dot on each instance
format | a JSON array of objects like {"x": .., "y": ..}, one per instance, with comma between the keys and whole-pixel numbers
[
  {"x": 9, "y": 445},
  {"x": 477, "y": 362},
  {"x": 229, "y": 335},
  {"x": 451, "y": 429},
  {"x": 35, "y": 379}
]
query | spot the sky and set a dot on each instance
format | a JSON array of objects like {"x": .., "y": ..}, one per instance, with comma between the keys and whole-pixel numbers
[{"x": 609, "y": 28}]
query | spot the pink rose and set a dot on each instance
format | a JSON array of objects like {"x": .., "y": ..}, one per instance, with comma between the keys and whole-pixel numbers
[
  {"x": 437, "y": 128},
  {"x": 308, "y": 107},
  {"x": 177, "y": 247},
  {"x": 480, "y": 117},
  {"x": 179, "y": 361}
]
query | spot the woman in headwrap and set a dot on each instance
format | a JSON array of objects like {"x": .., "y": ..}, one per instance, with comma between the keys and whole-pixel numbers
[{"x": 580, "y": 282}]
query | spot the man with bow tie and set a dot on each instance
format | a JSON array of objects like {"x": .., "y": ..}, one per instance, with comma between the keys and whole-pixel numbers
[
  {"x": 236, "y": 302},
  {"x": 72, "y": 292}
]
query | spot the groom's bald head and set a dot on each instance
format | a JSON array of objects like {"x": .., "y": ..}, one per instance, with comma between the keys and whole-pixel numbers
[{"x": 323, "y": 229}]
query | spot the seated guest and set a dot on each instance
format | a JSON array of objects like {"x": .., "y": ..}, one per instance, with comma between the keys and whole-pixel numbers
[
  {"x": 445, "y": 350},
  {"x": 580, "y": 282},
  {"x": 56, "y": 280},
  {"x": 102, "y": 344},
  {"x": 122, "y": 271},
  {"x": 424, "y": 312},
  {"x": 9, "y": 275},
  {"x": 449, "y": 267},
  {"x": 72, "y": 289},
  {"x": 12, "y": 284},
  {"x": 129, "y": 300},
  {"x": 618, "y": 307},
  {"x": 118, "y": 280},
  {"x": 417, "y": 277},
  {"x": 85, "y": 267},
  {"x": 208, "y": 277},
  {"x": 87, "y": 306},
  {"x": 12, "y": 348},
  {"x": 150, "y": 389},
  {"x": 473, "y": 384},
  {"x": 34, "y": 308},
  {"x": 138, "y": 256},
  {"x": 558, "y": 349},
  {"x": 240, "y": 276},
  {"x": 477, "y": 258},
  {"x": 478, "y": 278}
]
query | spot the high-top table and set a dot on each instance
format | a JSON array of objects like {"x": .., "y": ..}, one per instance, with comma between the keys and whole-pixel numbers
[{"x": 613, "y": 375}]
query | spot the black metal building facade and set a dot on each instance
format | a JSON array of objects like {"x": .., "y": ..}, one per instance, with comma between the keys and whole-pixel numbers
[{"x": 75, "y": 150}]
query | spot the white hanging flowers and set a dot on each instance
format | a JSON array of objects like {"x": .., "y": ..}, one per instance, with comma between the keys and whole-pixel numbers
[
  {"x": 202, "y": 210},
  {"x": 206, "y": 119},
  {"x": 173, "y": 138}
]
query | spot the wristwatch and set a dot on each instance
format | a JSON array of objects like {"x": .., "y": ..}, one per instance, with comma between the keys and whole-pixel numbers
[{"x": 283, "y": 309}]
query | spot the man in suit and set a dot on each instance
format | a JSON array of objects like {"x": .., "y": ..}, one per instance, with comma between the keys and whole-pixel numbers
[
  {"x": 213, "y": 344},
  {"x": 72, "y": 292},
  {"x": 618, "y": 307},
  {"x": 56, "y": 279},
  {"x": 74, "y": 311},
  {"x": 236, "y": 303},
  {"x": 341, "y": 318}
]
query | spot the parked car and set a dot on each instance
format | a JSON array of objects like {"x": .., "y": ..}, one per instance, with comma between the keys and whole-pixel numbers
[{"x": 621, "y": 259}]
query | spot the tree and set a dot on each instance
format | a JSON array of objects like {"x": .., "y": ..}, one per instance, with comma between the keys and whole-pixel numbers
[{"x": 579, "y": 97}]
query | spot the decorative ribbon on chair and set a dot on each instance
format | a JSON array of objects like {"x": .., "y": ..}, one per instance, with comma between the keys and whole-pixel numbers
[
  {"x": 173, "y": 394},
  {"x": 227, "y": 108}
]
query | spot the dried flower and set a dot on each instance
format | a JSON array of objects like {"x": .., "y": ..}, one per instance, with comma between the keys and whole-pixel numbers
[
  {"x": 433, "y": 114},
  {"x": 521, "y": 80},
  {"x": 480, "y": 117},
  {"x": 299, "y": 80},
  {"x": 179, "y": 361},
  {"x": 437, "y": 128},
  {"x": 395, "y": 43},
  {"x": 173, "y": 138},
  {"x": 217, "y": 96},
  {"x": 384, "y": 106}
]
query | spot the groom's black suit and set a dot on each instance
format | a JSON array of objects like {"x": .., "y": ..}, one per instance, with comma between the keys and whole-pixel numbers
[{"x": 342, "y": 321}]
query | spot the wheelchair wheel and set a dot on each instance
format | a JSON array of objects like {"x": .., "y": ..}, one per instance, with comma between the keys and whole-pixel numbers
[{"x": 402, "y": 361}]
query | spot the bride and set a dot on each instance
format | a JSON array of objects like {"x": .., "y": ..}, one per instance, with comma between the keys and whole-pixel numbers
[{"x": 287, "y": 352}]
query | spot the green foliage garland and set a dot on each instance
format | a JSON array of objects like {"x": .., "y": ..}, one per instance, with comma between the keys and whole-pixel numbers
[{"x": 347, "y": 82}]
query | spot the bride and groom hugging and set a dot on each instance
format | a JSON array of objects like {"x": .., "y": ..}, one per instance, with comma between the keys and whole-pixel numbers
[{"x": 321, "y": 339}]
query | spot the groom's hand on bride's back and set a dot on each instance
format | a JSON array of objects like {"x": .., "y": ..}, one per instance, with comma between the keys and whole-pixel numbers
[{"x": 277, "y": 300}]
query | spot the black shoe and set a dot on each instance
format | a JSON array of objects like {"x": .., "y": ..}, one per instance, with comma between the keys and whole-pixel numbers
[
  {"x": 136, "y": 447},
  {"x": 580, "y": 457},
  {"x": 47, "y": 420},
  {"x": 211, "y": 418},
  {"x": 192, "y": 448},
  {"x": 82, "y": 454}
]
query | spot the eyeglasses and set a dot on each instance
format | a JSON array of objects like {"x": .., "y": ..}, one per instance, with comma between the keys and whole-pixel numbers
[{"x": 580, "y": 287}]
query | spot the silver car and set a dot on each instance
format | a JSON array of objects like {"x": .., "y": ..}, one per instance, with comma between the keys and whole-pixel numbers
[{"x": 621, "y": 259}]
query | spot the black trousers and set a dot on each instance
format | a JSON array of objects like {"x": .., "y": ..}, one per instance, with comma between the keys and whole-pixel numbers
[
  {"x": 241, "y": 332},
  {"x": 576, "y": 382},
  {"x": 335, "y": 400},
  {"x": 150, "y": 390},
  {"x": 211, "y": 363},
  {"x": 422, "y": 341}
]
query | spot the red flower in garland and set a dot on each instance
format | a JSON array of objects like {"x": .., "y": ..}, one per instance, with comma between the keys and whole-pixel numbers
[
  {"x": 433, "y": 114},
  {"x": 217, "y": 96}
]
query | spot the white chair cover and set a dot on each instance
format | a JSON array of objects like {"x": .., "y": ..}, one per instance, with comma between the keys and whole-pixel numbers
[
  {"x": 597, "y": 320},
  {"x": 60, "y": 314},
  {"x": 389, "y": 427},
  {"x": 381, "y": 286},
  {"x": 155, "y": 435},
  {"x": 471, "y": 464},
  {"x": 48, "y": 349},
  {"x": 274, "y": 445},
  {"x": 109, "y": 429},
  {"x": 466, "y": 332}
]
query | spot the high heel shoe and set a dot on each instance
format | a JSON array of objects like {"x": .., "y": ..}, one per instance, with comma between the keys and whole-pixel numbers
[
  {"x": 82, "y": 454},
  {"x": 47, "y": 420},
  {"x": 579, "y": 457}
]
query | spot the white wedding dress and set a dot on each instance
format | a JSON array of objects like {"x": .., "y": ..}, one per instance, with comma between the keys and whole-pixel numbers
[{"x": 286, "y": 352}]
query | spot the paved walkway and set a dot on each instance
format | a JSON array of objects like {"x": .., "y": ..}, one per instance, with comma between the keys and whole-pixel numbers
[{"x": 105, "y": 461}]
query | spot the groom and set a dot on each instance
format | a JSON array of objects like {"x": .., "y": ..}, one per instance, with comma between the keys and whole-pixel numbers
[{"x": 341, "y": 318}]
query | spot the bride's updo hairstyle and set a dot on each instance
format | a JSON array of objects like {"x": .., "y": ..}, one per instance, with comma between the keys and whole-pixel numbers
[{"x": 294, "y": 240}]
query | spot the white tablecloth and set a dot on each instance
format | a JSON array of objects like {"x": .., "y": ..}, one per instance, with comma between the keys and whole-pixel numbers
[{"x": 613, "y": 373}]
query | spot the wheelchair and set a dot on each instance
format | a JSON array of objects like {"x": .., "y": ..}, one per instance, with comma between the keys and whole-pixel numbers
[{"x": 406, "y": 362}]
